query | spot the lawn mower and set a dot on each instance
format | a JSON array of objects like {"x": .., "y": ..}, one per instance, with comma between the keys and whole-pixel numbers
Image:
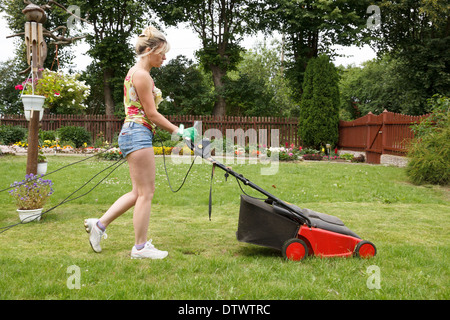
[{"x": 296, "y": 232}]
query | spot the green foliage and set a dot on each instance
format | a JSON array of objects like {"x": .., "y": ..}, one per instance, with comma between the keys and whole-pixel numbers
[
  {"x": 311, "y": 28},
  {"x": 47, "y": 135},
  {"x": 387, "y": 82},
  {"x": 319, "y": 109},
  {"x": 185, "y": 88},
  {"x": 75, "y": 134},
  {"x": 112, "y": 154},
  {"x": 246, "y": 96},
  {"x": 220, "y": 26},
  {"x": 12, "y": 134},
  {"x": 64, "y": 93},
  {"x": 259, "y": 86},
  {"x": 429, "y": 153},
  {"x": 114, "y": 24},
  {"x": 416, "y": 34},
  {"x": 9, "y": 78}
]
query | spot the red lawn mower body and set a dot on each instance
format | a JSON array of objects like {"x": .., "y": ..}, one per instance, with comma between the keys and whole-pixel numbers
[{"x": 324, "y": 243}]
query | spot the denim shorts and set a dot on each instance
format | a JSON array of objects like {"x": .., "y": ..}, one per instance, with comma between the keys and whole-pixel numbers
[{"x": 134, "y": 136}]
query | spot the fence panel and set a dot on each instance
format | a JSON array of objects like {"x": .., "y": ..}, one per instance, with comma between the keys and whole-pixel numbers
[
  {"x": 109, "y": 126},
  {"x": 387, "y": 133}
]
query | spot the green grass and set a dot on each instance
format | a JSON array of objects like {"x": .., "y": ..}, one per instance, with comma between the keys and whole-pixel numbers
[{"x": 409, "y": 225}]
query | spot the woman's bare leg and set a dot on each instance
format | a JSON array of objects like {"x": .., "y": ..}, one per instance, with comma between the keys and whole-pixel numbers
[
  {"x": 123, "y": 204},
  {"x": 142, "y": 173}
]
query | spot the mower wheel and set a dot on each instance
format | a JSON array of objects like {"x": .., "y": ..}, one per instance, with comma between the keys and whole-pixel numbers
[
  {"x": 295, "y": 249},
  {"x": 365, "y": 249}
]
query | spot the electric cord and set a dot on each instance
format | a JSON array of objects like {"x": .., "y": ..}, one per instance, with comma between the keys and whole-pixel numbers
[
  {"x": 63, "y": 167},
  {"x": 118, "y": 163},
  {"x": 165, "y": 167},
  {"x": 67, "y": 199}
]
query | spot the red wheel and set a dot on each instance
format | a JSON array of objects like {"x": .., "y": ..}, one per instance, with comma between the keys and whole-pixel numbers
[
  {"x": 295, "y": 249},
  {"x": 365, "y": 249}
]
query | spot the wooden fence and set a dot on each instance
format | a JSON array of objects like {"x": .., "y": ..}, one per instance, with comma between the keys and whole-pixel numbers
[
  {"x": 109, "y": 126},
  {"x": 387, "y": 133}
]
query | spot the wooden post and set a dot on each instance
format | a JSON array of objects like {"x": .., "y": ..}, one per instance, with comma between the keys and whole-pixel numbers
[
  {"x": 33, "y": 143},
  {"x": 35, "y": 45},
  {"x": 33, "y": 126}
]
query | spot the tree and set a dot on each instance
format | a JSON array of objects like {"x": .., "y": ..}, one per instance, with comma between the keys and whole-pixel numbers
[
  {"x": 220, "y": 24},
  {"x": 258, "y": 86},
  {"x": 186, "y": 90},
  {"x": 9, "y": 78},
  {"x": 319, "y": 108},
  {"x": 417, "y": 35},
  {"x": 311, "y": 27},
  {"x": 113, "y": 23}
]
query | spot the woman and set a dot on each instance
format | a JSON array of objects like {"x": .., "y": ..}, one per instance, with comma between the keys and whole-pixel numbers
[{"x": 141, "y": 99}]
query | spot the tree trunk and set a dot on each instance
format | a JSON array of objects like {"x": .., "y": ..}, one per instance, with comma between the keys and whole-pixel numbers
[
  {"x": 220, "y": 107},
  {"x": 107, "y": 90}
]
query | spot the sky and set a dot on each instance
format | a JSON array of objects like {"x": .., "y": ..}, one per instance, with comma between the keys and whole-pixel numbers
[{"x": 183, "y": 41}]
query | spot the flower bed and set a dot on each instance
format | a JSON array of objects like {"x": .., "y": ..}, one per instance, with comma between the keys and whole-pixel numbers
[{"x": 288, "y": 153}]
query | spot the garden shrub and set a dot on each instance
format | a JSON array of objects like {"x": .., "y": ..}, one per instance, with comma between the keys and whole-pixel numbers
[
  {"x": 47, "y": 135},
  {"x": 347, "y": 156},
  {"x": 359, "y": 158},
  {"x": 12, "y": 134},
  {"x": 77, "y": 135},
  {"x": 429, "y": 152},
  {"x": 312, "y": 156}
]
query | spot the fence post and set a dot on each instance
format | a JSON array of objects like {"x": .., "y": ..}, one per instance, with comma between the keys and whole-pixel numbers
[{"x": 384, "y": 136}]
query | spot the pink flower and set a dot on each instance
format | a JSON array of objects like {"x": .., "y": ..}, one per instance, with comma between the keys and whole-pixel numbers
[
  {"x": 19, "y": 87},
  {"x": 57, "y": 94},
  {"x": 291, "y": 154}
]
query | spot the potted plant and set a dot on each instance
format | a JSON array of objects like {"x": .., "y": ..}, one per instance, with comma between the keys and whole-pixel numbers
[
  {"x": 33, "y": 100},
  {"x": 42, "y": 163},
  {"x": 35, "y": 92},
  {"x": 58, "y": 92},
  {"x": 30, "y": 195}
]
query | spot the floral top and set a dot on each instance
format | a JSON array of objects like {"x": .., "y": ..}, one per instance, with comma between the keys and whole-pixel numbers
[{"x": 133, "y": 108}]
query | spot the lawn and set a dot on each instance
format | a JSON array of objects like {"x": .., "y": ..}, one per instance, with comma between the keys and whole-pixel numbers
[{"x": 49, "y": 259}]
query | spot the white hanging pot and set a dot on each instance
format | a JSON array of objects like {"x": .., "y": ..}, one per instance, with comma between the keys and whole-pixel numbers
[{"x": 33, "y": 103}]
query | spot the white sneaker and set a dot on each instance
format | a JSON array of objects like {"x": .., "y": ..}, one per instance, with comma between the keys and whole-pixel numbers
[
  {"x": 149, "y": 251},
  {"x": 95, "y": 234}
]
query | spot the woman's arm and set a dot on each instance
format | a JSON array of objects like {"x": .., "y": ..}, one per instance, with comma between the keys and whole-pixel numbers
[{"x": 144, "y": 87}]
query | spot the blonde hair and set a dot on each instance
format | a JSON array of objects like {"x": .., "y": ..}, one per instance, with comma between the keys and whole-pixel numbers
[{"x": 151, "y": 38}]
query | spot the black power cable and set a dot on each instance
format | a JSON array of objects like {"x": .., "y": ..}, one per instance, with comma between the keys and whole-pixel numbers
[
  {"x": 63, "y": 167},
  {"x": 118, "y": 163}
]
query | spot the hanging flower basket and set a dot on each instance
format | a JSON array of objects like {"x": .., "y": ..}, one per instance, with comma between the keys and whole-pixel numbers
[{"x": 33, "y": 103}]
